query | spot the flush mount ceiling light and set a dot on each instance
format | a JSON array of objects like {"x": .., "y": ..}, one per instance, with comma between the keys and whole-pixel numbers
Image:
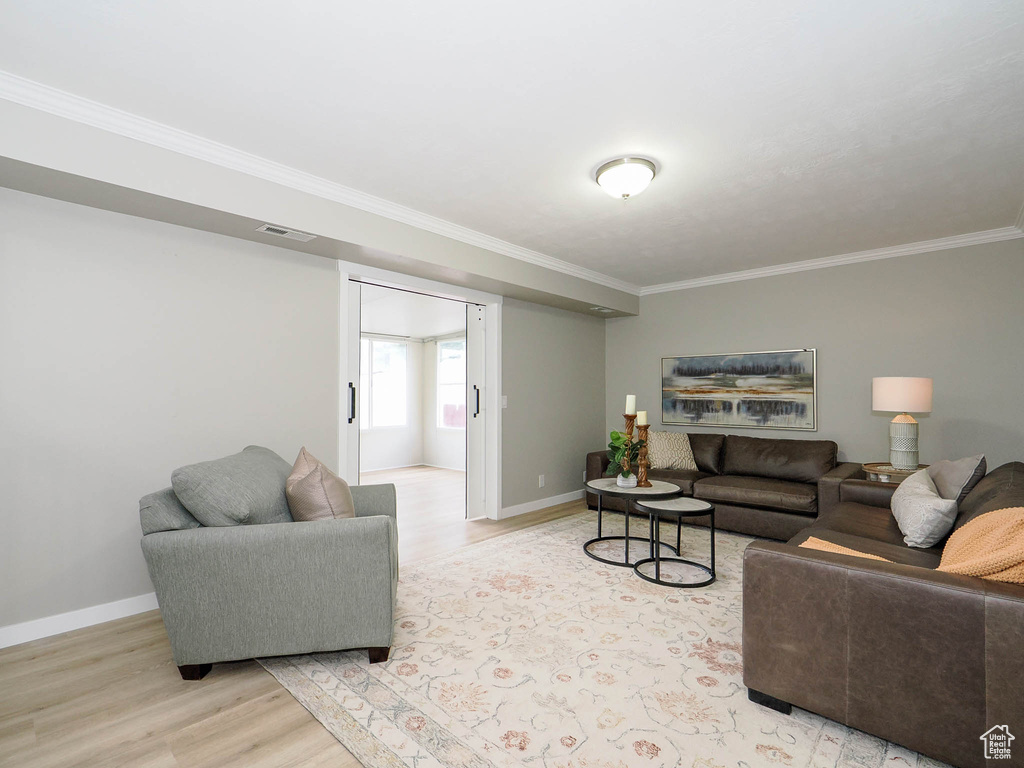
[{"x": 625, "y": 177}]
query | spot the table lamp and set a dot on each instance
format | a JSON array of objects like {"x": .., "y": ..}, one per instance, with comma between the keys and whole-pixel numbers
[{"x": 902, "y": 395}]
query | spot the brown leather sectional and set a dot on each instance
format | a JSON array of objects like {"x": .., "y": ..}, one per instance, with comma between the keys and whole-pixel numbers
[
  {"x": 760, "y": 486},
  {"x": 919, "y": 657}
]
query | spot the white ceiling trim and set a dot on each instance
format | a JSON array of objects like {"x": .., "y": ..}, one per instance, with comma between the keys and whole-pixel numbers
[
  {"x": 957, "y": 241},
  {"x": 67, "y": 105}
]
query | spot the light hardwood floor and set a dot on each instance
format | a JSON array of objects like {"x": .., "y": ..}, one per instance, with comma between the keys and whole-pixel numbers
[
  {"x": 110, "y": 695},
  {"x": 430, "y": 500},
  {"x": 431, "y": 509}
]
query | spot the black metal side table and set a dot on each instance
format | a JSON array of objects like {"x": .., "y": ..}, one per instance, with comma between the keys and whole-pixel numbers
[
  {"x": 675, "y": 509},
  {"x": 607, "y": 486}
]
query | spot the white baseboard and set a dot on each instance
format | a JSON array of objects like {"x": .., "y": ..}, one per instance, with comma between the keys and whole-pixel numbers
[
  {"x": 16, "y": 634},
  {"x": 411, "y": 466},
  {"x": 442, "y": 466},
  {"x": 388, "y": 469},
  {"x": 533, "y": 506}
]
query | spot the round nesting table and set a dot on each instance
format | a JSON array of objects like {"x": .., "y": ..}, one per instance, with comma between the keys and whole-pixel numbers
[
  {"x": 676, "y": 509},
  {"x": 607, "y": 486}
]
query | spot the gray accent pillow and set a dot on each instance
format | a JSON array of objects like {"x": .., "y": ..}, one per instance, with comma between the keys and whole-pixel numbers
[
  {"x": 246, "y": 488},
  {"x": 316, "y": 493},
  {"x": 161, "y": 511},
  {"x": 955, "y": 479},
  {"x": 924, "y": 517}
]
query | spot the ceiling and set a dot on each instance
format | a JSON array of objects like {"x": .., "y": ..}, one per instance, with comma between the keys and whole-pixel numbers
[
  {"x": 392, "y": 312},
  {"x": 783, "y": 131}
]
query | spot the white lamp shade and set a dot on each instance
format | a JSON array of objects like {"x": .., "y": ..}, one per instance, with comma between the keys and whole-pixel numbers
[
  {"x": 626, "y": 177},
  {"x": 901, "y": 394}
]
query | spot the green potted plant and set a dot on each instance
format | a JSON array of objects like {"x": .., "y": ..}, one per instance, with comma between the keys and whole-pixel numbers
[{"x": 623, "y": 455}]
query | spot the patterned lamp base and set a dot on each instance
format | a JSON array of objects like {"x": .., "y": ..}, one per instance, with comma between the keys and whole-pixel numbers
[{"x": 903, "y": 442}]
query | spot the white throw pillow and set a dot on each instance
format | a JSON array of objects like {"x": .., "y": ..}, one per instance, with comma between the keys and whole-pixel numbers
[
  {"x": 670, "y": 450},
  {"x": 922, "y": 514}
]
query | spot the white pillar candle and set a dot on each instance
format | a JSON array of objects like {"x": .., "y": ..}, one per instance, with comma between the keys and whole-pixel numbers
[
  {"x": 641, "y": 418},
  {"x": 630, "y": 404}
]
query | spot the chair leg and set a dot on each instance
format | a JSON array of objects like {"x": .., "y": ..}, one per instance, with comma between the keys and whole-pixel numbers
[
  {"x": 769, "y": 701},
  {"x": 194, "y": 671},
  {"x": 377, "y": 655}
]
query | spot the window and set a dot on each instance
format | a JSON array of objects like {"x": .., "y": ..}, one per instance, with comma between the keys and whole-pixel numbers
[
  {"x": 451, "y": 384},
  {"x": 382, "y": 379}
]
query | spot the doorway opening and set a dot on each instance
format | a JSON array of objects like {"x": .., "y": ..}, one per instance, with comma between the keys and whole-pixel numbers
[{"x": 418, "y": 404}]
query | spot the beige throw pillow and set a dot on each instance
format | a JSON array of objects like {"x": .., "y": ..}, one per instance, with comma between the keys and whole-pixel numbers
[
  {"x": 316, "y": 493},
  {"x": 670, "y": 450}
]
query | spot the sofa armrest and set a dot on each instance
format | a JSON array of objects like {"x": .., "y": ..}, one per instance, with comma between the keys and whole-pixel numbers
[
  {"x": 828, "y": 485},
  {"x": 867, "y": 643},
  {"x": 597, "y": 463},
  {"x": 869, "y": 492},
  {"x": 240, "y": 592},
  {"x": 375, "y": 500}
]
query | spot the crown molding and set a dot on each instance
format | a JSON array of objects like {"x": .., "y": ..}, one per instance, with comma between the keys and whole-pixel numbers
[
  {"x": 81, "y": 110},
  {"x": 957, "y": 241},
  {"x": 54, "y": 101}
]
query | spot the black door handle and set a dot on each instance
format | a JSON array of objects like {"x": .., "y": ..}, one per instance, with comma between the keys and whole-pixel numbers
[
  {"x": 351, "y": 402},
  {"x": 476, "y": 391}
]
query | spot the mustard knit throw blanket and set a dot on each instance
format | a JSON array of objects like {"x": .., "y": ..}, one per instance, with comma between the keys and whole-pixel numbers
[
  {"x": 827, "y": 546},
  {"x": 990, "y": 546}
]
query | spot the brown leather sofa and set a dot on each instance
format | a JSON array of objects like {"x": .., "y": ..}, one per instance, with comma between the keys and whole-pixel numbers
[
  {"x": 922, "y": 658},
  {"x": 761, "y": 486}
]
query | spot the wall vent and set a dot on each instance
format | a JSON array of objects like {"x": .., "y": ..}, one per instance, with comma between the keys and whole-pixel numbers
[{"x": 291, "y": 234}]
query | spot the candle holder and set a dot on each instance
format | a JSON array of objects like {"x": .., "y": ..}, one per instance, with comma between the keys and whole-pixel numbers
[
  {"x": 642, "y": 463},
  {"x": 630, "y": 421}
]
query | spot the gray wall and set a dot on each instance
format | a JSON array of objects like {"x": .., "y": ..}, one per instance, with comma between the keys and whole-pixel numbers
[
  {"x": 954, "y": 315},
  {"x": 128, "y": 348},
  {"x": 131, "y": 347},
  {"x": 552, "y": 370}
]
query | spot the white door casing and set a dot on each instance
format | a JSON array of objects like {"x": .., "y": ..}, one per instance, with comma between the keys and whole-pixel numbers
[
  {"x": 350, "y": 394},
  {"x": 476, "y": 411},
  {"x": 490, "y": 395}
]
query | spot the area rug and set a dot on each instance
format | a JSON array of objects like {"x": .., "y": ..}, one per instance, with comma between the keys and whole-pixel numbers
[{"x": 522, "y": 651}]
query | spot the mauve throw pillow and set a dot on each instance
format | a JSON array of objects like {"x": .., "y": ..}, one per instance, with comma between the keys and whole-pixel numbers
[
  {"x": 316, "y": 493},
  {"x": 955, "y": 479},
  {"x": 922, "y": 514}
]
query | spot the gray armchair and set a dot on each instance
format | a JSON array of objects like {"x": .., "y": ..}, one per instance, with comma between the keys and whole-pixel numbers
[{"x": 244, "y": 591}]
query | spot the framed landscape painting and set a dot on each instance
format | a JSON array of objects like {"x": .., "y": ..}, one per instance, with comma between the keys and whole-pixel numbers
[{"x": 770, "y": 390}]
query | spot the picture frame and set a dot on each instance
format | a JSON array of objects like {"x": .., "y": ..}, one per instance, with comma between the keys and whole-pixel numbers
[{"x": 759, "y": 390}]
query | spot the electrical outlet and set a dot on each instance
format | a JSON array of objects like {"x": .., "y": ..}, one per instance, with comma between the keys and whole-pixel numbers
[
  {"x": 584, "y": 477},
  {"x": 504, "y": 401},
  {"x": 540, "y": 481}
]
